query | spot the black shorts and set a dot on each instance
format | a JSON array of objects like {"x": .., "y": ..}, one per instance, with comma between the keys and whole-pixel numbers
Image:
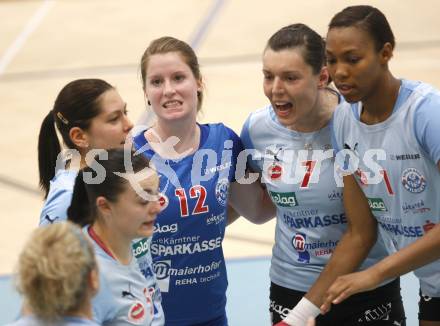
[
  {"x": 380, "y": 307},
  {"x": 429, "y": 308}
]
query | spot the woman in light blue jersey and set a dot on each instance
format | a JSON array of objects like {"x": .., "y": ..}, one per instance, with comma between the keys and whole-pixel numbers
[
  {"x": 197, "y": 165},
  {"x": 89, "y": 114},
  {"x": 397, "y": 121},
  {"x": 115, "y": 201},
  {"x": 292, "y": 138},
  {"x": 57, "y": 284}
]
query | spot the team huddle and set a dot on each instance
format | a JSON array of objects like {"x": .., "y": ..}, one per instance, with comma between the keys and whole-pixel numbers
[{"x": 345, "y": 156}]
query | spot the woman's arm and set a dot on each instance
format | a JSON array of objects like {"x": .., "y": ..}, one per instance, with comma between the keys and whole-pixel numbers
[
  {"x": 232, "y": 215},
  {"x": 252, "y": 202},
  {"x": 423, "y": 251},
  {"x": 350, "y": 252}
]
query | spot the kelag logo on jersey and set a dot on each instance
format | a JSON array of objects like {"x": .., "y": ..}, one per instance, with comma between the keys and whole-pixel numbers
[
  {"x": 221, "y": 191},
  {"x": 284, "y": 199},
  {"x": 413, "y": 180},
  {"x": 299, "y": 243},
  {"x": 172, "y": 228},
  {"x": 140, "y": 247},
  {"x": 377, "y": 205}
]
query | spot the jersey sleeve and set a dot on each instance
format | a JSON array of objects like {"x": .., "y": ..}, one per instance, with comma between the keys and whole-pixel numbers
[
  {"x": 427, "y": 126},
  {"x": 55, "y": 208},
  {"x": 237, "y": 148},
  {"x": 249, "y": 145}
]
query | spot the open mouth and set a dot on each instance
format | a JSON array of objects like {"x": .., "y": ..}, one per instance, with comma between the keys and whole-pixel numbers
[
  {"x": 283, "y": 108},
  {"x": 172, "y": 104}
]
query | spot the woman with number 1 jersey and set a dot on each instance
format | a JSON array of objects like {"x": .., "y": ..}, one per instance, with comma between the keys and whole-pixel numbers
[
  {"x": 399, "y": 120},
  {"x": 197, "y": 164}
]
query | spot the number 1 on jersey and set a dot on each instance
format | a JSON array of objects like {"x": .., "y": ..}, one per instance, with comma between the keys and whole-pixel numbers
[{"x": 387, "y": 181}]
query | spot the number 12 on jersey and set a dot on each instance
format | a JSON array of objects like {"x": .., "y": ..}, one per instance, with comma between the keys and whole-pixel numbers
[{"x": 198, "y": 192}]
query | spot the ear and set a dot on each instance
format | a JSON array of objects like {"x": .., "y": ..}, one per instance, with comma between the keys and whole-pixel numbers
[
  {"x": 103, "y": 206},
  {"x": 200, "y": 85},
  {"x": 79, "y": 137},
  {"x": 386, "y": 53},
  {"x": 94, "y": 281},
  {"x": 147, "y": 101},
  {"x": 323, "y": 77}
]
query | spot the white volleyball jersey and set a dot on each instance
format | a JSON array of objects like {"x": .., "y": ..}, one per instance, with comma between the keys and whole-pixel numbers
[
  {"x": 310, "y": 213},
  {"x": 126, "y": 296},
  {"x": 402, "y": 183},
  {"x": 55, "y": 211}
]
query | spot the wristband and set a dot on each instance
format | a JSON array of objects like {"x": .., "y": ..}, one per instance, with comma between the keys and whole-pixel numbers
[{"x": 301, "y": 313}]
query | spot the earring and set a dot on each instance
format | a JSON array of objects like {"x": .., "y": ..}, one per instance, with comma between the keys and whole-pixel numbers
[{"x": 149, "y": 103}]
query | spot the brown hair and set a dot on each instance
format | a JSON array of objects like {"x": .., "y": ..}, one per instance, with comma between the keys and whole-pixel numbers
[
  {"x": 300, "y": 36},
  {"x": 75, "y": 106},
  {"x": 168, "y": 44}
]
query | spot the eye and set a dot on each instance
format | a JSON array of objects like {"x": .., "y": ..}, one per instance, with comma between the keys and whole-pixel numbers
[
  {"x": 179, "y": 77},
  {"x": 353, "y": 59},
  {"x": 268, "y": 77},
  {"x": 144, "y": 202},
  {"x": 291, "y": 78},
  {"x": 155, "y": 82},
  {"x": 331, "y": 61},
  {"x": 114, "y": 119}
]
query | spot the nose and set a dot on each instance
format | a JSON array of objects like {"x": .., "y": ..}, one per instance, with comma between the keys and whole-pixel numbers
[
  {"x": 155, "y": 208},
  {"x": 340, "y": 72},
  {"x": 168, "y": 88},
  {"x": 277, "y": 86},
  {"x": 128, "y": 125}
]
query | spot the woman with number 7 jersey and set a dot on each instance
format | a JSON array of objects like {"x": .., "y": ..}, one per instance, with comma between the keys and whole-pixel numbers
[
  {"x": 197, "y": 164},
  {"x": 292, "y": 141}
]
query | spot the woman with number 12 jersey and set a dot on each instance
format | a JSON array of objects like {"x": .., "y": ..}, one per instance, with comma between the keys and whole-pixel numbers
[{"x": 197, "y": 165}]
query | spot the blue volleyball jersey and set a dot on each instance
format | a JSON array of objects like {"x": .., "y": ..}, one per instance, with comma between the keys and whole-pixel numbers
[
  {"x": 187, "y": 243},
  {"x": 55, "y": 211},
  {"x": 405, "y": 197},
  {"x": 301, "y": 183}
]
